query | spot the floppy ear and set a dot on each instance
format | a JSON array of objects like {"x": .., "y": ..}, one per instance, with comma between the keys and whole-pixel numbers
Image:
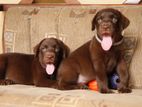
[
  {"x": 65, "y": 49},
  {"x": 94, "y": 23},
  {"x": 124, "y": 22},
  {"x": 36, "y": 48}
]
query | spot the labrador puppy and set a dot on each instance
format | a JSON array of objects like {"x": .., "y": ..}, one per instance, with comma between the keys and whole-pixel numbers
[
  {"x": 37, "y": 69},
  {"x": 98, "y": 57}
]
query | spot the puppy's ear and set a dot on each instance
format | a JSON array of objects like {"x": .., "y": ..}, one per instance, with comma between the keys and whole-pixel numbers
[
  {"x": 124, "y": 23},
  {"x": 36, "y": 48},
  {"x": 94, "y": 23},
  {"x": 65, "y": 49}
]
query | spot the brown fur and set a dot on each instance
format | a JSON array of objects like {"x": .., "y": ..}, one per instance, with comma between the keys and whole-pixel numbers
[
  {"x": 90, "y": 62},
  {"x": 29, "y": 69}
]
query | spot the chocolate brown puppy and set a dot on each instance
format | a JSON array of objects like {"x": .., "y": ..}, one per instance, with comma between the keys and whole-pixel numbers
[
  {"x": 37, "y": 69},
  {"x": 99, "y": 57}
]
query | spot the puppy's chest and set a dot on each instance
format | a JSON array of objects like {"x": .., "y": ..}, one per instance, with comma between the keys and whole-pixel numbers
[{"x": 110, "y": 61}]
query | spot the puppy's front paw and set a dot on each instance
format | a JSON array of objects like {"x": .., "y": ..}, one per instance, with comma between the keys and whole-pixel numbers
[
  {"x": 105, "y": 91},
  {"x": 83, "y": 86},
  {"x": 6, "y": 82},
  {"x": 124, "y": 89}
]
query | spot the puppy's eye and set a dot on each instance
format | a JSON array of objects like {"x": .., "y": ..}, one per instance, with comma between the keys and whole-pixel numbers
[
  {"x": 57, "y": 49},
  {"x": 99, "y": 21},
  {"x": 44, "y": 49},
  {"x": 114, "y": 20}
]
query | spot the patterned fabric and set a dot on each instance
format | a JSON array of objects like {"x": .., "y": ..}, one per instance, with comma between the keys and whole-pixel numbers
[
  {"x": 9, "y": 40},
  {"x": 129, "y": 45},
  {"x": 30, "y": 96}
]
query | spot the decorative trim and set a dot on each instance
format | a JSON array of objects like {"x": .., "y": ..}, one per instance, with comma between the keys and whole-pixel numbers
[{"x": 9, "y": 41}]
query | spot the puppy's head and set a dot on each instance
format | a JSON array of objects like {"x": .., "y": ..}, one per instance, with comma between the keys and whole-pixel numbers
[
  {"x": 109, "y": 22},
  {"x": 51, "y": 51}
]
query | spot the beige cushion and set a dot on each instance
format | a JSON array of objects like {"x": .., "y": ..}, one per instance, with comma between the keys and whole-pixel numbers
[{"x": 30, "y": 96}]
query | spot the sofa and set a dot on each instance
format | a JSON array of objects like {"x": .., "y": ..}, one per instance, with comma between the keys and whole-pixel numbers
[{"x": 25, "y": 26}]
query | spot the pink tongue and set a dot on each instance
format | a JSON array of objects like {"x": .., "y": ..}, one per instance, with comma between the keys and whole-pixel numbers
[
  {"x": 106, "y": 43},
  {"x": 50, "y": 69}
]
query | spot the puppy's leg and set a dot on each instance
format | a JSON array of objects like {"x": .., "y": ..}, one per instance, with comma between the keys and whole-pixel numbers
[
  {"x": 3, "y": 67},
  {"x": 101, "y": 77},
  {"x": 46, "y": 83},
  {"x": 69, "y": 85},
  {"x": 6, "y": 82},
  {"x": 124, "y": 77},
  {"x": 68, "y": 80}
]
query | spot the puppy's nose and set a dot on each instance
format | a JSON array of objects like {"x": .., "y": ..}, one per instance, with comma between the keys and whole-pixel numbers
[
  {"x": 106, "y": 24},
  {"x": 50, "y": 55}
]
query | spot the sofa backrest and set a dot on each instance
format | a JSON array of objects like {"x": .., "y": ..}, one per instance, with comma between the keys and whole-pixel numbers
[{"x": 25, "y": 26}]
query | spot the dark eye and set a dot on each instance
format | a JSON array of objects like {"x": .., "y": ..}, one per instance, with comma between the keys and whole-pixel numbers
[
  {"x": 56, "y": 49},
  {"x": 43, "y": 49},
  {"x": 99, "y": 21},
  {"x": 114, "y": 20}
]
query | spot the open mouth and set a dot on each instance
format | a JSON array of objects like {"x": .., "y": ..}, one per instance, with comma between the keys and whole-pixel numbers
[
  {"x": 106, "y": 39},
  {"x": 50, "y": 68},
  {"x": 106, "y": 34},
  {"x": 49, "y": 64},
  {"x": 106, "y": 43},
  {"x": 49, "y": 61},
  {"x": 108, "y": 31}
]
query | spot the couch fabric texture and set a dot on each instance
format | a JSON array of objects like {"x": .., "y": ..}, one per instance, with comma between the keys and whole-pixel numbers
[
  {"x": 26, "y": 26},
  {"x": 30, "y": 96}
]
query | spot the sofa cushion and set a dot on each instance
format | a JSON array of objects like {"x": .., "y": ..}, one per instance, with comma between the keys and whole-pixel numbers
[{"x": 30, "y": 96}]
